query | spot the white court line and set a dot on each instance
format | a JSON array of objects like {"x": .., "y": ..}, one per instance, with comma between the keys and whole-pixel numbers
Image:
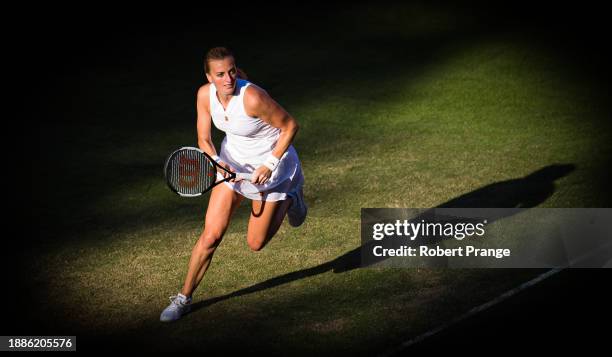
[{"x": 473, "y": 312}]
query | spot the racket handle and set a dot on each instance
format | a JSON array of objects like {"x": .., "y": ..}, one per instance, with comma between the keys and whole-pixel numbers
[{"x": 243, "y": 176}]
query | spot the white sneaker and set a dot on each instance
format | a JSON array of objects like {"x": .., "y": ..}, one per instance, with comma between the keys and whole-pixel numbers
[
  {"x": 298, "y": 210},
  {"x": 179, "y": 306}
]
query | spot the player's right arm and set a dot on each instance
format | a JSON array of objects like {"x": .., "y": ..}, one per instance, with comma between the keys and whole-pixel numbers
[
  {"x": 204, "y": 125},
  {"x": 205, "y": 142}
]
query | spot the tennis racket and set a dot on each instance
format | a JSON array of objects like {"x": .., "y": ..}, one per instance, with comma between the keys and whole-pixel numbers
[{"x": 191, "y": 172}]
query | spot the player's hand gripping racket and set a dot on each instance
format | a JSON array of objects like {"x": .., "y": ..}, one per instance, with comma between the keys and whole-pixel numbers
[{"x": 190, "y": 172}]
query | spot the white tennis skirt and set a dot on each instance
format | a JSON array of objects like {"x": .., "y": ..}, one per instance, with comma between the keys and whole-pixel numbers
[{"x": 287, "y": 177}]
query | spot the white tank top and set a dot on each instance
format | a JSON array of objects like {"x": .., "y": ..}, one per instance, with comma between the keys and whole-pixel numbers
[
  {"x": 247, "y": 143},
  {"x": 248, "y": 139}
]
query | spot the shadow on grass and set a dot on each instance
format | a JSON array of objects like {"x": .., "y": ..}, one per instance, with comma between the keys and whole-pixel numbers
[{"x": 525, "y": 192}]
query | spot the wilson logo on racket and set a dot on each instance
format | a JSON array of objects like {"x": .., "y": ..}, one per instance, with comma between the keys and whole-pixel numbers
[{"x": 189, "y": 172}]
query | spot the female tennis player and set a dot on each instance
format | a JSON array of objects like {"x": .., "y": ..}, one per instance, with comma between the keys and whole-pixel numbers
[{"x": 259, "y": 133}]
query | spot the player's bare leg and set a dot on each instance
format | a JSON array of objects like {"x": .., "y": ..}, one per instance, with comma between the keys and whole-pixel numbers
[{"x": 266, "y": 218}]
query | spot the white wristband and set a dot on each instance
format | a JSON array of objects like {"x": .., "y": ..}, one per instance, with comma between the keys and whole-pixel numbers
[
  {"x": 216, "y": 158},
  {"x": 271, "y": 162}
]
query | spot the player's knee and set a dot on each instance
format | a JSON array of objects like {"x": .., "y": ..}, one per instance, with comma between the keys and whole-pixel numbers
[
  {"x": 255, "y": 242},
  {"x": 255, "y": 246},
  {"x": 210, "y": 240}
]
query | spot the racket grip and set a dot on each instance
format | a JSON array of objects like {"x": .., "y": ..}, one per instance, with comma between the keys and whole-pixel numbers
[{"x": 243, "y": 176}]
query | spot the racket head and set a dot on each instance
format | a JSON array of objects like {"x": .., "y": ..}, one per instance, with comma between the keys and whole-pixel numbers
[{"x": 190, "y": 172}]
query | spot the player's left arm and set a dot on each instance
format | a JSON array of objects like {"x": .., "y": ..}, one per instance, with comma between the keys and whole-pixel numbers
[{"x": 259, "y": 104}]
